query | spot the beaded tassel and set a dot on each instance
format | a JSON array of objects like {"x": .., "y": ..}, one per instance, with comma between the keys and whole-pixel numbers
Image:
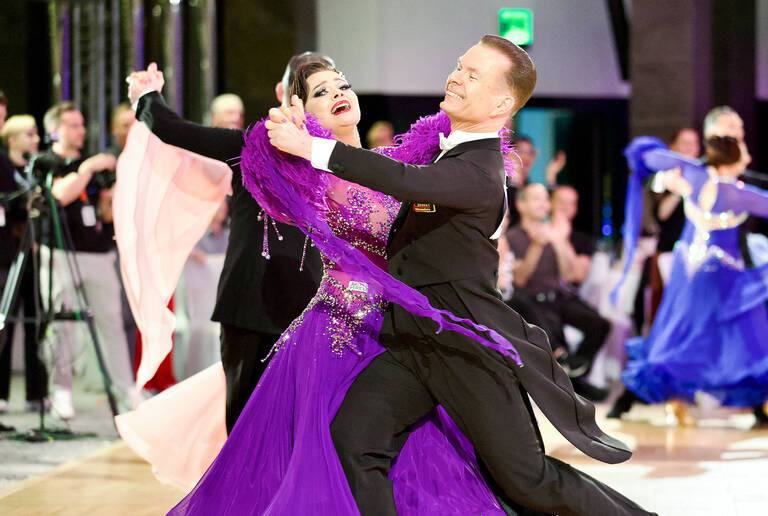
[
  {"x": 265, "y": 241},
  {"x": 303, "y": 254}
]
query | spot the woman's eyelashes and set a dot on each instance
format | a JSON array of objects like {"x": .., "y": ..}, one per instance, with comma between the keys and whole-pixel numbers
[{"x": 323, "y": 91}]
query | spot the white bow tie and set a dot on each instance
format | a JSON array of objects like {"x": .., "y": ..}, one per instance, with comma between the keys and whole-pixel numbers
[{"x": 448, "y": 143}]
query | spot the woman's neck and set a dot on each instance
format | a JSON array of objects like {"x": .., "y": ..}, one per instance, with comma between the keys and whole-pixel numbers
[{"x": 348, "y": 135}]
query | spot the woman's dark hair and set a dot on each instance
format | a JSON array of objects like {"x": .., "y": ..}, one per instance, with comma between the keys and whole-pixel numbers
[
  {"x": 299, "y": 84},
  {"x": 722, "y": 150}
]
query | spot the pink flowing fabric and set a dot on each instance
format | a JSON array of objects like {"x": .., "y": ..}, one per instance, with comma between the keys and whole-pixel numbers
[
  {"x": 181, "y": 430},
  {"x": 165, "y": 198}
]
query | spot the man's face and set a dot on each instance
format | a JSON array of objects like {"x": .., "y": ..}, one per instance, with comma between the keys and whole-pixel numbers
[
  {"x": 565, "y": 203},
  {"x": 731, "y": 124},
  {"x": 121, "y": 125},
  {"x": 535, "y": 205},
  {"x": 687, "y": 143},
  {"x": 25, "y": 141},
  {"x": 71, "y": 130},
  {"x": 474, "y": 89},
  {"x": 229, "y": 116},
  {"x": 3, "y": 114}
]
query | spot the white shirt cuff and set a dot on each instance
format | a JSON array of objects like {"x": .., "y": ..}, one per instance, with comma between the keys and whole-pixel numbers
[
  {"x": 322, "y": 148},
  {"x": 136, "y": 104}
]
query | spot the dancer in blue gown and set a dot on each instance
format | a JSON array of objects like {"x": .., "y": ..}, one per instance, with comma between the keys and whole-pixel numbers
[{"x": 711, "y": 331}]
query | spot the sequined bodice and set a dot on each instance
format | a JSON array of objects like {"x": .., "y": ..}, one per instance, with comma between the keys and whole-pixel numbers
[{"x": 362, "y": 217}]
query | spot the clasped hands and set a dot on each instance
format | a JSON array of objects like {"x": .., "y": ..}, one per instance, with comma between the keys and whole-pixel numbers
[
  {"x": 287, "y": 129},
  {"x": 145, "y": 80}
]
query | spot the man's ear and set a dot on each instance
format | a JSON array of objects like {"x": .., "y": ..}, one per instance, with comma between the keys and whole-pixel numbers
[{"x": 505, "y": 106}]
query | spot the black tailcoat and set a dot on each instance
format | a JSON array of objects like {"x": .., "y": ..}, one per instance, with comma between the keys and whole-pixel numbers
[{"x": 442, "y": 237}]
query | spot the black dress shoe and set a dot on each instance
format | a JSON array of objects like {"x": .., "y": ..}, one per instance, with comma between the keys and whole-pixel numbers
[
  {"x": 622, "y": 405},
  {"x": 589, "y": 391},
  {"x": 761, "y": 418}
]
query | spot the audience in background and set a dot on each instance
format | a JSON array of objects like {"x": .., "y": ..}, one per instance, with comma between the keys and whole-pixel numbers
[
  {"x": 120, "y": 124},
  {"x": 381, "y": 134},
  {"x": 228, "y": 112},
  {"x": 20, "y": 138},
  {"x": 197, "y": 338},
  {"x": 76, "y": 186},
  {"x": 523, "y": 158},
  {"x": 546, "y": 264}
]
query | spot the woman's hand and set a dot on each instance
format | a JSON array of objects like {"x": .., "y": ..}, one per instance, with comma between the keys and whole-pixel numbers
[{"x": 294, "y": 113}]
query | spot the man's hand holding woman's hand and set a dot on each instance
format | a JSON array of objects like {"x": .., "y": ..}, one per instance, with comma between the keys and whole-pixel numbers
[{"x": 143, "y": 81}]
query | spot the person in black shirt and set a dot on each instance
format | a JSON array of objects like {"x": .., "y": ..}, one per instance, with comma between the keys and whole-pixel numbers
[
  {"x": 87, "y": 218},
  {"x": 19, "y": 136}
]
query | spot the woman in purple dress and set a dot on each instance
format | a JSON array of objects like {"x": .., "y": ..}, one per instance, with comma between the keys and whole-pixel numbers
[
  {"x": 710, "y": 333},
  {"x": 279, "y": 458}
]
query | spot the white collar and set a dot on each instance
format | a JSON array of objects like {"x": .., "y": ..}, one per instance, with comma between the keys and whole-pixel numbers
[{"x": 458, "y": 137}]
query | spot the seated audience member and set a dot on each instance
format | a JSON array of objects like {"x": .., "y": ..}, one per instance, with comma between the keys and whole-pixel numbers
[
  {"x": 524, "y": 158},
  {"x": 85, "y": 215},
  {"x": 381, "y": 134},
  {"x": 20, "y": 139},
  {"x": 545, "y": 266},
  {"x": 565, "y": 207}
]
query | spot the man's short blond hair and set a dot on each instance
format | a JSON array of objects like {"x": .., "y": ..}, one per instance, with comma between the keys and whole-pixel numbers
[{"x": 15, "y": 125}]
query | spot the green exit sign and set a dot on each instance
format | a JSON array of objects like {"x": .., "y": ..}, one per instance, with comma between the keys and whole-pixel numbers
[{"x": 516, "y": 25}]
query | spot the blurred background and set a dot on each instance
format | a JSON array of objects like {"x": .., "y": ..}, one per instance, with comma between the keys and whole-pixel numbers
[{"x": 608, "y": 69}]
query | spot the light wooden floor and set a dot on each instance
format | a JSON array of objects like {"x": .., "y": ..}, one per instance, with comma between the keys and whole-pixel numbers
[{"x": 719, "y": 468}]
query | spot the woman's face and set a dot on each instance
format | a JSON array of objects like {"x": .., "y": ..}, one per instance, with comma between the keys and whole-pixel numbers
[
  {"x": 25, "y": 141},
  {"x": 331, "y": 100}
]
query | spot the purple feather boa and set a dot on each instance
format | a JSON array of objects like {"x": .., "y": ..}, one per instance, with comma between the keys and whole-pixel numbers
[
  {"x": 289, "y": 189},
  {"x": 422, "y": 141}
]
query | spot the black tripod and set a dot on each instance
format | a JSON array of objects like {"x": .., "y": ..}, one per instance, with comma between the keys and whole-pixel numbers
[{"x": 43, "y": 210}]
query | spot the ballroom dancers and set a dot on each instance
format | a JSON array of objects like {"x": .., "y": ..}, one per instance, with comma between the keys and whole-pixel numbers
[
  {"x": 709, "y": 332},
  {"x": 440, "y": 244},
  {"x": 257, "y": 298},
  {"x": 280, "y": 458}
]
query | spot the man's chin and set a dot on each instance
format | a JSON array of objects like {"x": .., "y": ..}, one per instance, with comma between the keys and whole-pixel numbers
[{"x": 447, "y": 108}]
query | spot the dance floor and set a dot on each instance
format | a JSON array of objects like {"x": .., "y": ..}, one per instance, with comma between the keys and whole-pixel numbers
[{"x": 719, "y": 468}]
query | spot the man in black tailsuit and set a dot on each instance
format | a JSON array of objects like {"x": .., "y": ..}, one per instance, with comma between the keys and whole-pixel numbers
[
  {"x": 256, "y": 298},
  {"x": 441, "y": 245}
]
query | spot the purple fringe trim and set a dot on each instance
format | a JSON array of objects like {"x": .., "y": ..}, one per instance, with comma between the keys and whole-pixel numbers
[{"x": 290, "y": 190}]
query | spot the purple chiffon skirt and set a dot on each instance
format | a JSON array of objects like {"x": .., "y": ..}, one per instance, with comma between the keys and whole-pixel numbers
[{"x": 279, "y": 458}]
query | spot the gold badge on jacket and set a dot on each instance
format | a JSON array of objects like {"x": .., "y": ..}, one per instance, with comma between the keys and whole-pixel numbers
[{"x": 422, "y": 207}]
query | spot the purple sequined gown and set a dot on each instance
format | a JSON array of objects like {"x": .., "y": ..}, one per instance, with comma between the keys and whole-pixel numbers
[{"x": 279, "y": 458}]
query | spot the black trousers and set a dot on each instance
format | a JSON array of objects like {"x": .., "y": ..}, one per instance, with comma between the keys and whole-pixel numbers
[
  {"x": 480, "y": 392},
  {"x": 242, "y": 352},
  {"x": 35, "y": 375},
  {"x": 564, "y": 309}
]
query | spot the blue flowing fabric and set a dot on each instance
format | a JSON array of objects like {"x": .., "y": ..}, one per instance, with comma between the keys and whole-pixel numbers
[
  {"x": 633, "y": 203},
  {"x": 710, "y": 333}
]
